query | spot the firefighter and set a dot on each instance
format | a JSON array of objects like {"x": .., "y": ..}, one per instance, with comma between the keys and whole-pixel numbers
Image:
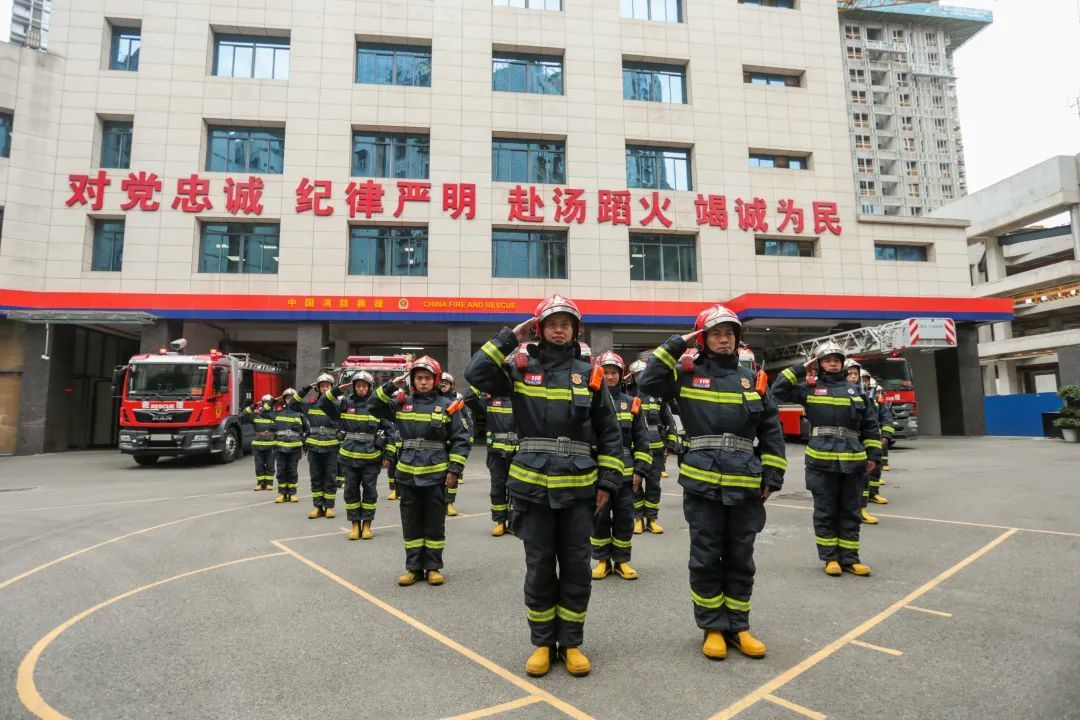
[
  {"x": 261, "y": 415},
  {"x": 853, "y": 371},
  {"x": 360, "y": 458},
  {"x": 322, "y": 445},
  {"x": 290, "y": 428},
  {"x": 434, "y": 448},
  {"x": 885, "y": 420},
  {"x": 845, "y": 444},
  {"x": 446, "y": 387},
  {"x": 501, "y": 442},
  {"x": 561, "y": 408},
  {"x": 613, "y": 528},
  {"x": 660, "y": 426},
  {"x": 726, "y": 478},
  {"x": 391, "y": 450}
]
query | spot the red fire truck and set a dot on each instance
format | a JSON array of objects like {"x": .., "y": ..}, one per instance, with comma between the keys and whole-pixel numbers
[
  {"x": 880, "y": 350},
  {"x": 174, "y": 405},
  {"x": 381, "y": 367}
]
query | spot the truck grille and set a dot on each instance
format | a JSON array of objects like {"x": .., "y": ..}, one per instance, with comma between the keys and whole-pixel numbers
[{"x": 162, "y": 416}]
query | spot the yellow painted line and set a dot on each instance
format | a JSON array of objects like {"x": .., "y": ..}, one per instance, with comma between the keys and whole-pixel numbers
[
  {"x": 496, "y": 709},
  {"x": 24, "y": 681},
  {"x": 879, "y": 648},
  {"x": 928, "y": 611},
  {"x": 794, "y": 672},
  {"x": 380, "y": 527},
  {"x": 502, "y": 672},
  {"x": 118, "y": 538},
  {"x": 126, "y": 502},
  {"x": 805, "y": 712}
]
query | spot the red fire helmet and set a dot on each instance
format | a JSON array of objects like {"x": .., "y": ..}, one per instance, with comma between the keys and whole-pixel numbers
[
  {"x": 715, "y": 315},
  {"x": 427, "y": 363},
  {"x": 557, "y": 304},
  {"x": 611, "y": 358}
]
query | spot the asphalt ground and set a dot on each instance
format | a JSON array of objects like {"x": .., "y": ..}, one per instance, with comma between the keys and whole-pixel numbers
[{"x": 176, "y": 592}]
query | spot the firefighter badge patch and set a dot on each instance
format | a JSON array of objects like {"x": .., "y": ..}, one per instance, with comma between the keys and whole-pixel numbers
[
  {"x": 745, "y": 383},
  {"x": 622, "y": 406},
  {"x": 437, "y": 409},
  {"x": 576, "y": 378}
]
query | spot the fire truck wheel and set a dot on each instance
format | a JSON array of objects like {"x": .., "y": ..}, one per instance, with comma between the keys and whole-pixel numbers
[
  {"x": 231, "y": 448},
  {"x": 145, "y": 459}
]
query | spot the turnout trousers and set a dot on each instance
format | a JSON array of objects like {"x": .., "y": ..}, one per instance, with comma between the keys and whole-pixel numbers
[
  {"x": 323, "y": 468},
  {"x": 287, "y": 462},
  {"x": 613, "y": 528},
  {"x": 722, "y": 560},
  {"x": 837, "y": 500},
  {"x": 361, "y": 490},
  {"x": 264, "y": 464},
  {"x": 558, "y": 573},
  {"x": 647, "y": 498},
  {"x": 423, "y": 525},
  {"x": 499, "y": 467}
]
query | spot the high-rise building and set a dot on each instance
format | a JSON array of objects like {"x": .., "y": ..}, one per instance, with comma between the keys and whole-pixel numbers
[
  {"x": 903, "y": 112},
  {"x": 30, "y": 23}
]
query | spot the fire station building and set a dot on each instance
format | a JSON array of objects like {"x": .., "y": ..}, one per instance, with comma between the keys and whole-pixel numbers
[{"x": 386, "y": 176}]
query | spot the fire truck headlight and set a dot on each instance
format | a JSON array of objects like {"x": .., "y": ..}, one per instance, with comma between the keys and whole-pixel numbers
[{"x": 201, "y": 438}]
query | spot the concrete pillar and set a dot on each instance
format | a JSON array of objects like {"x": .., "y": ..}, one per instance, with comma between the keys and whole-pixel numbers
[
  {"x": 925, "y": 373},
  {"x": 154, "y": 337},
  {"x": 1008, "y": 380},
  {"x": 989, "y": 380},
  {"x": 995, "y": 260},
  {"x": 44, "y": 403},
  {"x": 971, "y": 392},
  {"x": 601, "y": 339},
  {"x": 311, "y": 337},
  {"x": 458, "y": 353},
  {"x": 341, "y": 350},
  {"x": 202, "y": 338},
  {"x": 1074, "y": 217},
  {"x": 1069, "y": 365}
]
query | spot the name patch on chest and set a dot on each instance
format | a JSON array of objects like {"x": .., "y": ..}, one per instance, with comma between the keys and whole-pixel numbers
[
  {"x": 496, "y": 403},
  {"x": 821, "y": 391},
  {"x": 702, "y": 382},
  {"x": 407, "y": 408},
  {"x": 534, "y": 379}
]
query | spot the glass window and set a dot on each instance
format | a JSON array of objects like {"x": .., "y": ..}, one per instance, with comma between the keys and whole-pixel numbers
[
  {"x": 530, "y": 4},
  {"x": 393, "y": 64},
  {"x": 116, "y": 143},
  {"x": 660, "y": 10},
  {"x": 658, "y": 168},
  {"x": 124, "y": 51},
  {"x": 787, "y": 4},
  {"x": 905, "y": 253},
  {"x": 375, "y": 250},
  {"x": 754, "y": 77},
  {"x": 523, "y": 254},
  {"x": 778, "y": 247},
  {"x": 247, "y": 56},
  {"x": 7, "y": 121},
  {"x": 788, "y": 162},
  {"x": 108, "y": 251},
  {"x": 531, "y": 161},
  {"x": 390, "y": 155},
  {"x": 541, "y": 74},
  {"x": 654, "y": 83},
  {"x": 243, "y": 248},
  {"x": 221, "y": 380},
  {"x": 243, "y": 149},
  {"x": 663, "y": 257}
]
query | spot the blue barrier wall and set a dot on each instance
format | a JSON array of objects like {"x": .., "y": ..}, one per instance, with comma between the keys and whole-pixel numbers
[{"x": 1019, "y": 414}]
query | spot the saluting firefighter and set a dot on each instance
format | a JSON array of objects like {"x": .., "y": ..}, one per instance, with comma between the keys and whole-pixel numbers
[
  {"x": 446, "y": 388},
  {"x": 853, "y": 373},
  {"x": 845, "y": 444},
  {"x": 434, "y": 448},
  {"x": 886, "y": 419},
  {"x": 726, "y": 479},
  {"x": 261, "y": 415},
  {"x": 502, "y": 442},
  {"x": 290, "y": 428},
  {"x": 322, "y": 445},
  {"x": 660, "y": 426},
  {"x": 360, "y": 458},
  {"x": 561, "y": 408},
  {"x": 613, "y": 527},
  {"x": 392, "y": 449}
]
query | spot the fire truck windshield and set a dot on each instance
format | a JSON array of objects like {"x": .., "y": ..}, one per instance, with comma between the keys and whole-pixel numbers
[
  {"x": 891, "y": 373},
  {"x": 166, "y": 380}
]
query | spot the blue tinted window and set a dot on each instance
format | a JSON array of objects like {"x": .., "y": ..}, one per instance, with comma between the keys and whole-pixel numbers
[
  {"x": 654, "y": 83},
  {"x": 375, "y": 250},
  {"x": 239, "y": 248},
  {"x": 242, "y": 149},
  {"x": 7, "y": 121},
  {"x": 658, "y": 168},
  {"x": 523, "y": 254},
  {"x": 116, "y": 143},
  {"x": 903, "y": 253},
  {"x": 528, "y": 161},
  {"x": 244, "y": 56},
  {"x": 539, "y": 74},
  {"x": 124, "y": 52},
  {"x": 391, "y": 155},
  {"x": 663, "y": 257},
  {"x": 108, "y": 251},
  {"x": 393, "y": 65}
]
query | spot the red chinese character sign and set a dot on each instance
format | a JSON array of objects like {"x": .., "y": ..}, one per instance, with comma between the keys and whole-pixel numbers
[{"x": 366, "y": 199}]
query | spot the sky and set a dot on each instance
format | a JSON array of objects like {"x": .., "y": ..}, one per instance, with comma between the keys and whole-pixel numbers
[{"x": 1016, "y": 81}]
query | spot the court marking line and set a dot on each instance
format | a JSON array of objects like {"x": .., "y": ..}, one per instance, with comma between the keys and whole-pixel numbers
[
  {"x": 125, "y": 502},
  {"x": 794, "y": 707},
  {"x": 496, "y": 709},
  {"x": 342, "y": 530},
  {"x": 476, "y": 657},
  {"x": 928, "y": 611},
  {"x": 118, "y": 538},
  {"x": 825, "y": 652},
  {"x": 879, "y": 648},
  {"x": 24, "y": 683}
]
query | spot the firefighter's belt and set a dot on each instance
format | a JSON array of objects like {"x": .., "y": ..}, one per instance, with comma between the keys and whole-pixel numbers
[
  {"x": 416, "y": 444},
  {"x": 727, "y": 441},
  {"x": 510, "y": 438},
  {"x": 264, "y": 434},
  {"x": 563, "y": 446},
  {"x": 840, "y": 432},
  {"x": 360, "y": 437},
  {"x": 323, "y": 432},
  {"x": 288, "y": 434}
]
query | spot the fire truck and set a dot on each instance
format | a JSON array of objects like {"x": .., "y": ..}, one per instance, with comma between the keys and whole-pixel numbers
[
  {"x": 176, "y": 405},
  {"x": 880, "y": 350},
  {"x": 382, "y": 367}
]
